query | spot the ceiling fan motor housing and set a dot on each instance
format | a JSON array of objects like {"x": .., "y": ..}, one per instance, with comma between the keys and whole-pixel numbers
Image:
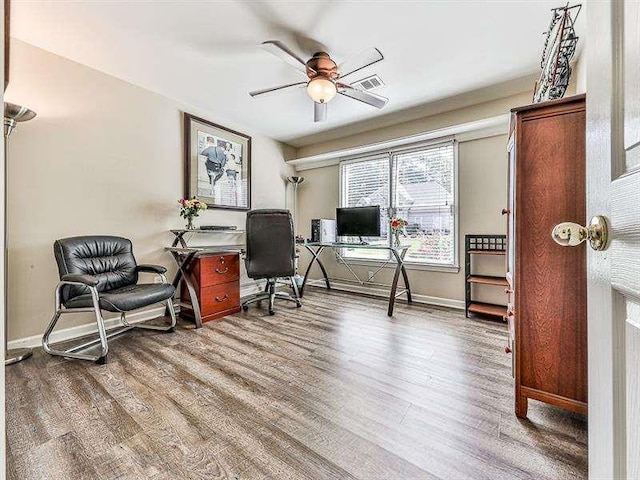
[{"x": 321, "y": 65}]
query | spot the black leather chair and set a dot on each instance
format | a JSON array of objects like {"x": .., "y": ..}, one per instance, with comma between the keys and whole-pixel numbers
[
  {"x": 100, "y": 273},
  {"x": 270, "y": 254}
]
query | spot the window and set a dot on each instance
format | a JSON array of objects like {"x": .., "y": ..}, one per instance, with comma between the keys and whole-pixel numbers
[
  {"x": 415, "y": 184},
  {"x": 364, "y": 183}
]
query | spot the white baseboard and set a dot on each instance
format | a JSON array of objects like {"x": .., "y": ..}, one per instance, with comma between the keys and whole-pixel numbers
[
  {"x": 378, "y": 292},
  {"x": 90, "y": 328},
  {"x": 246, "y": 289},
  {"x": 70, "y": 333}
]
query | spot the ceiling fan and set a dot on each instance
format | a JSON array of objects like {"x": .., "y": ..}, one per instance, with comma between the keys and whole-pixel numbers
[{"x": 324, "y": 77}]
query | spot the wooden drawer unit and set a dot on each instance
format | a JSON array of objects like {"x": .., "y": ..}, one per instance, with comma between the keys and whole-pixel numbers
[
  {"x": 216, "y": 279},
  {"x": 218, "y": 269},
  {"x": 220, "y": 298}
]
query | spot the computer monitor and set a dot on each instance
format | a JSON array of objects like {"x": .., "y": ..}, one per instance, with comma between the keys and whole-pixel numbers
[{"x": 358, "y": 221}]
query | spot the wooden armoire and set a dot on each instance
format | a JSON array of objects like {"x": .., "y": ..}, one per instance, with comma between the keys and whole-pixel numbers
[{"x": 547, "y": 311}]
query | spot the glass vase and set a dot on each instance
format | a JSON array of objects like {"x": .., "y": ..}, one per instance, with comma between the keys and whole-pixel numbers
[
  {"x": 190, "y": 225},
  {"x": 396, "y": 239}
]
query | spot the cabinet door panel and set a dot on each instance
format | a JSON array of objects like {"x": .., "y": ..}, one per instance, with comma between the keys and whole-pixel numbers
[{"x": 551, "y": 294}]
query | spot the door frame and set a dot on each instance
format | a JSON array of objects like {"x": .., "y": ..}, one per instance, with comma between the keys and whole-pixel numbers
[
  {"x": 606, "y": 334},
  {"x": 3, "y": 278}
]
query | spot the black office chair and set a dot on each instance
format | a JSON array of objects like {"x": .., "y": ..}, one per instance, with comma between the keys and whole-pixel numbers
[
  {"x": 271, "y": 250},
  {"x": 100, "y": 273}
]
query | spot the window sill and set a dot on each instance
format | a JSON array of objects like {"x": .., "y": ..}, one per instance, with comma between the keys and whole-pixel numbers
[{"x": 407, "y": 265}]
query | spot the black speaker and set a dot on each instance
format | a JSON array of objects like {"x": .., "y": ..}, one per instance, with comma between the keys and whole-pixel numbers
[{"x": 316, "y": 227}]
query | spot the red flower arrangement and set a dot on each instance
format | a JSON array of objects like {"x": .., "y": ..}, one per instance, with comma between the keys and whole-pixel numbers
[{"x": 397, "y": 225}]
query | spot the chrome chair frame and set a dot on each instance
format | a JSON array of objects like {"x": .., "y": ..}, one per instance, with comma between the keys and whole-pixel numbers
[
  {"x": 103, "y": 337},
  {"x": 271, "y": 293}
]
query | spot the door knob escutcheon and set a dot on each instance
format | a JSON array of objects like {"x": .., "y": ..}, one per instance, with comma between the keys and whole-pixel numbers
[{"x": 569, "y": 234}]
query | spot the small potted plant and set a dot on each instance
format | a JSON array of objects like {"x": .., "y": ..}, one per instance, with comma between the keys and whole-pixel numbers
[
  {"x": 190, "y": 208},
  {"x": 397, "y": 228}
]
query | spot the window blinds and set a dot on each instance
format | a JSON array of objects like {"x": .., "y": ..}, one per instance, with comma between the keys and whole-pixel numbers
[
  {"x": 424, "y": 196},
  {"x": 417, "y": 185}
]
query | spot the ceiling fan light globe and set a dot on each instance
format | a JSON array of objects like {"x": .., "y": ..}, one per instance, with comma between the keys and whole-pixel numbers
[{"x": 321, "y": 90}]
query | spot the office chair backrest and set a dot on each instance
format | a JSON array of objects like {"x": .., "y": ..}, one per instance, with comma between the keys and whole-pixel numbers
[
  {"x": 108, "y": 258},
  {"x": 271, "y": 246}
]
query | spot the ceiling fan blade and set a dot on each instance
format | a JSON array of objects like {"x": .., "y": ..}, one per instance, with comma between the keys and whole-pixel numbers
[
  {"x": 362, "y": 60},
  {"x": 283, "y": 53},
  {"x": 255, "y": 93},
  {"x": 372, "y": 99},
  {"x": 319, "y": 112}
]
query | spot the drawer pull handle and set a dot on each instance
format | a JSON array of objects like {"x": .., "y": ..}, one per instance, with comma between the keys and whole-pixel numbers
[
  {"x": 221, "y": 272},
  {"x": 508, "y": 291},
  {"x": 218, "y": 299},
  {"x": 505, "y": 211}
]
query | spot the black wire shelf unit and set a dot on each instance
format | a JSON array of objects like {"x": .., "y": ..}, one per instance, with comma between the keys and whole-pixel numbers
[{"x": 483, "y": 245}]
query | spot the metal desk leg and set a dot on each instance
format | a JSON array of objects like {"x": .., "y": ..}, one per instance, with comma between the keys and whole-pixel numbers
[
  {"x": 316, "y": 258},
  {"x": 179, "y": 239},
  {"x": 396, "y": 276},
  {"x": 182, "y": 274},
  {"x": 405, "y": 277}
]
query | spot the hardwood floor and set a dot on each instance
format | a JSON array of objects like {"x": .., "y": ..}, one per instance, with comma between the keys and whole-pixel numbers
[{"x": 334, "y": 390}]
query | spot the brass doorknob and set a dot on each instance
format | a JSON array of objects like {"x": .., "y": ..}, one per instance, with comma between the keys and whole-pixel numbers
[{"x": 569, "y": 234}]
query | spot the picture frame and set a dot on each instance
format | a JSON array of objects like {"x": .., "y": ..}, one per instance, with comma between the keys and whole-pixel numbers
[{"x": 217, "y": 164}]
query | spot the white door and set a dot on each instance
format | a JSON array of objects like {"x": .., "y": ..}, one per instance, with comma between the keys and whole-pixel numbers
[{"x": 613, "y": 190}]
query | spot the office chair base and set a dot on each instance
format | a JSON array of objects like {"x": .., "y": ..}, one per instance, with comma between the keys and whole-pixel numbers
[
  {"x": 270, "y": 294},
  {"x": 103, "y": 337}
]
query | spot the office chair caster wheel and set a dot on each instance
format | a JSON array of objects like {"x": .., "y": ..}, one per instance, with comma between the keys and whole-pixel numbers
[
  {"x": 102, "y": 360},
  {"x": 298, "y": 304},
  {"x": 245, "y": 307},
  {"x": 272, "y": 312}
]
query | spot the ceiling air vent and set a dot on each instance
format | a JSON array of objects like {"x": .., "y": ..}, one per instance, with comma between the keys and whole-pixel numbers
[{"x": 369, "y": 83}]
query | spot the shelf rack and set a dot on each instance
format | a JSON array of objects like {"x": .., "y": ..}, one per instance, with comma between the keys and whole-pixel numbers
[{"x": 483, "y": 245}]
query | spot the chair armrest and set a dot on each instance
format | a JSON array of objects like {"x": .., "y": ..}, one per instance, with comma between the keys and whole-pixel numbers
[
  {"x": 88, "y": 280},
  {"x": 151, "y": 269}
]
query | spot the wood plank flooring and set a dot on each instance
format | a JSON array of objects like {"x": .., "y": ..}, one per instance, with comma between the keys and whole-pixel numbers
[{"x": 334, "y": 390}]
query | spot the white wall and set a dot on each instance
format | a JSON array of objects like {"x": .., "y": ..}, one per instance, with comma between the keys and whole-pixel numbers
[
  {"x": 102, "y": 157},
  {"x": 580, "y": 72}
]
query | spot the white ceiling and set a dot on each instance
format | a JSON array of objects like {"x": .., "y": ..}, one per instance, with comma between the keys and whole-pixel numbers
[{"x": 206, "y": 54}]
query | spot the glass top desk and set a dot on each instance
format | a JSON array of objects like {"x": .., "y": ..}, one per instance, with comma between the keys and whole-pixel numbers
[{"x": 397, "y": 255}]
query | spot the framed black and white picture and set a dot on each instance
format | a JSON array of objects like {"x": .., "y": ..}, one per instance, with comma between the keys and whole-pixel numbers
[{"x": 218, "y": 164}]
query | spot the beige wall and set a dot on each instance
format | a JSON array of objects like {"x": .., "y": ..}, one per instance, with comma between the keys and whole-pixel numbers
[
  {"x": 413, "y": 127},
  {"x": 482, "y": 189},
  {"x": 432, "y": 110},
  {"x": 102, "y": 157}
]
